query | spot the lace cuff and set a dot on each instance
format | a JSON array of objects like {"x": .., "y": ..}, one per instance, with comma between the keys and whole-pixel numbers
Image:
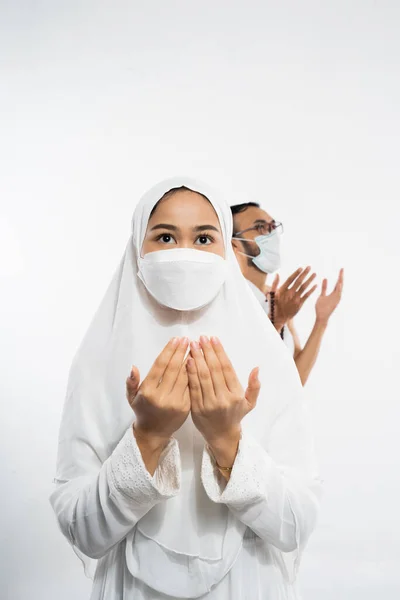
[
  {"x": 127, "y": 474},
  {"x": 249, "y": 476}
]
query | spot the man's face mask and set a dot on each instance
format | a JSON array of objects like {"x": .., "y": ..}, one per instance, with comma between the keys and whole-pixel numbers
[
  {"x": 183, "y": 278},
  {"x": 269, "y": 258}
]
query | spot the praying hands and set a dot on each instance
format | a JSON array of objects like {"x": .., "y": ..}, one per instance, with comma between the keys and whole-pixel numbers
[
  {"x": 218, "y": 401},
  {"x": 205, "y": 384}
]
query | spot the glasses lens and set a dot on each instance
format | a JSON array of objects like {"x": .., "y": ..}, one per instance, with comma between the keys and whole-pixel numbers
[
  {"x": 267, "y": 228},
  {"x": 276, "y": 226},
  {"x": 263, "y": 228}
]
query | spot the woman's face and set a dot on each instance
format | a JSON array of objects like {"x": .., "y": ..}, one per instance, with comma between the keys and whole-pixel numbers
[{"x": 184, "y": 219}]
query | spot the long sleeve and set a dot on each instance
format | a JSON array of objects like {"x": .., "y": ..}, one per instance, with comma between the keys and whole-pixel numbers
[
  {"x": 275, "y": 492},
  {"x": 96, "y": 513}
]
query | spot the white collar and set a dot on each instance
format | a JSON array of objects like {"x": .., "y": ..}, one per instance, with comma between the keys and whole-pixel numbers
[{"x": 257, "y": 292}]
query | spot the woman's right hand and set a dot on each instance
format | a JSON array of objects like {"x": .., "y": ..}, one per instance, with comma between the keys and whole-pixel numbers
[{"x": 161, "y": 402}]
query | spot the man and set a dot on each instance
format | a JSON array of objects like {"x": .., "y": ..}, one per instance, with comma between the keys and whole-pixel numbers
[{"x": 256, "y": 242}]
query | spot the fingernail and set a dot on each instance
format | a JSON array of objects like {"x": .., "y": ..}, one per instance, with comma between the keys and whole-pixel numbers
[
  {"x": 175, "y": 341},
  {"x": 215, "y": 340},
  {"x": 184, "y": 341},
  {"x": 204, "y": 339},
  {"x": 195, "y": 345}
]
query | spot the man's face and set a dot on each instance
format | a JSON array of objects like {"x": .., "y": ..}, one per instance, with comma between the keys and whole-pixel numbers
[
  {"x": 252, "y": 217},
  {"x": 255, "y": 218}
]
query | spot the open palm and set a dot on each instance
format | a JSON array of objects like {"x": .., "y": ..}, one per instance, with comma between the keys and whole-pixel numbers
[
  {"x": 327, "y": 303},
  {"x": 291, "y": 295}
]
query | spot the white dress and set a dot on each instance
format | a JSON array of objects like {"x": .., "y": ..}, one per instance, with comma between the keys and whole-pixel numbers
[
  {"x": 185, "y": 532},
  {"x": 288, "y": 337},
  {"x": 97, "y": 518}
]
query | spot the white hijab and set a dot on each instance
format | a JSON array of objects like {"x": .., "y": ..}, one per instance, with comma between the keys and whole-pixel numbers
[{"x": 131, "y": 328}]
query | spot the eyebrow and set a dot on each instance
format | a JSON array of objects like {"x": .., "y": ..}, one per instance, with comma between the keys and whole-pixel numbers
[
  {"x": 205, "y": 227},
  {"x": 165, "y": 226},
  {"x": 198, "y": 228},
  {"x": 263, "y": 222}
]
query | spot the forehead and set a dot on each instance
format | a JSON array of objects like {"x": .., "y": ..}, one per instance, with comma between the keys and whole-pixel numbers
[
  {"x": 184, "y": 208},
  {"x": 248, "y": 217}
]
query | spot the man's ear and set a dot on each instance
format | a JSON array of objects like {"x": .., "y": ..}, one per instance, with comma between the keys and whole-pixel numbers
[{"x": 236, "y": 245}]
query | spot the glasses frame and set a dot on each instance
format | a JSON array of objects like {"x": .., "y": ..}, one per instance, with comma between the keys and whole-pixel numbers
[{"x": 272, "y": 226}]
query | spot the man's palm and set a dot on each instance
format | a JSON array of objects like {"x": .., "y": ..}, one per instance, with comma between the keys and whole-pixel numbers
[{"x": 327, "y": 303}]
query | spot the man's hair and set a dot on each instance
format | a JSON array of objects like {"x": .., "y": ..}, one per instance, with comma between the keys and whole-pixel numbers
[{"x": 239, "y": 208}]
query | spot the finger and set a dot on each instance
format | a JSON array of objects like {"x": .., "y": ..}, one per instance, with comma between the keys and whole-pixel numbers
[
  {"x": 253, "y": 388},
  {"x": 174, "y": 367},
  {"x": 204, "y": 375},
  {"x": 306, "y": 296},
  {"x": 182, "y": 380},
  {"x": 324, "y": 287},
  {"x": 229, "y": 372},
  {"x": 160, "y": 364},
  {"x": 339, "y": 283},
  {"x": 132, "y": 383},
  {"x": 291, "y": 279},
  {"x": 214, "y": 366},
  {"x": 135, "y": 375},
  {"x": 300, "y": 279},
  {"x": 186, "y": 396},
  {"x": 337, "y": 292},
  {"x": 306, "y": 284},
  {"x": 196, "y": 395},
  {"x": 275, "y": 284}
]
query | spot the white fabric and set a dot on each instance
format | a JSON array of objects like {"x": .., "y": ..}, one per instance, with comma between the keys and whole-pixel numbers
[
  {"x": 125, "y": 490},
  {"x": 288, "y": 337},
  {"x": 186, "y": 545}
]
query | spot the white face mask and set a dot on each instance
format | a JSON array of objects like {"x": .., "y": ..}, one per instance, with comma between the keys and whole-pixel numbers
[
  {"x": 183, "y": 278},
  {"x": 269, "y": 259}
]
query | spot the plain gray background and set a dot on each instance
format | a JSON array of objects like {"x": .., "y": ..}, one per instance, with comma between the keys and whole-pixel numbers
[{"x": 293, "y": 104}]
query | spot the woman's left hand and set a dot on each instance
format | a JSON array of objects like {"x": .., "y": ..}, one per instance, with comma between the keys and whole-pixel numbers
[{"x": 218, "y": 401}]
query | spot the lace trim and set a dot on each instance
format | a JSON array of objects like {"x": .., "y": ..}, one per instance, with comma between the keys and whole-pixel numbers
[
  {"x": 128, "y": 475},
  {"x": 248, "y": 480}
]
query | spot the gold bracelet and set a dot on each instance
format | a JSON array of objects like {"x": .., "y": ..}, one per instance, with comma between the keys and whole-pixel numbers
[{"x": 228, "y": 469}]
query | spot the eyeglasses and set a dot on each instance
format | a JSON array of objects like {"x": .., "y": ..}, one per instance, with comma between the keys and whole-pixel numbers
[{"x": 263, "y": 228}]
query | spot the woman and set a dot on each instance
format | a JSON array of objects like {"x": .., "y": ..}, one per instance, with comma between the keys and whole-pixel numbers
[{"x": 200, "y": 486}]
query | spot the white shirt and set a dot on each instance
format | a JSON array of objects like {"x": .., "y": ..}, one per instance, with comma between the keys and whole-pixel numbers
[
  {"x": 98, "y": 517},
  {"x": 288, "y": 337}
]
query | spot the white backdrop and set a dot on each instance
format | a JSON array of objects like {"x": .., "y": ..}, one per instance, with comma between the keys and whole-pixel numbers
[{"x": 293, "y": 104}]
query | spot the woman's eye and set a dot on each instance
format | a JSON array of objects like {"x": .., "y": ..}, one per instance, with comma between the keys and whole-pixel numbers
[
  {"x": 204, "y": 240},
  {"x": 166, "y": 238}
]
